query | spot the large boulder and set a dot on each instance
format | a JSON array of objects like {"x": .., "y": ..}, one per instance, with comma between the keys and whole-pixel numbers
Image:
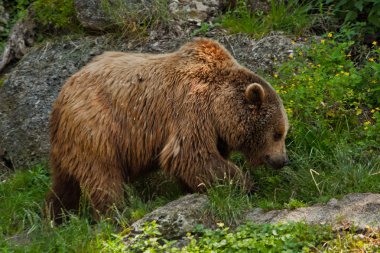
[
  {"x": 102, "y": 15},
  {"x": 175, "y": 219},
  {"x": 27, "y": 94},
  {"x": 357, "y": 209},
  {"x": 91, "y": 14}
]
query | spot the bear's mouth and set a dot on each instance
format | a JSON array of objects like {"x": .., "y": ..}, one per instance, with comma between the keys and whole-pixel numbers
[{"x": 275, "y": 163}]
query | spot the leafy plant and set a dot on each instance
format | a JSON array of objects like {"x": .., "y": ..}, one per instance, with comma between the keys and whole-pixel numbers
[
  {"x": 362, "y": 10},
  {"x": 288, "y": 16},
  {"x": 57, "y": 13}
]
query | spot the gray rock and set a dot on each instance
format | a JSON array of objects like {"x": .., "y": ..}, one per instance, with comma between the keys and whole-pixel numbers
[
  {"x": 356, "y": 209},
  {"x": 177, "y": 217},
  {"x": 194, "y": 11},
  {"x": 102, "y": 15},
  {"x": 28, "y": 93},
  {"x": 21, "y": 39},
  {"x": 182, "y": 215},
  {"x": 91, "y": 15},
  {"x": 260, "y": 55}
]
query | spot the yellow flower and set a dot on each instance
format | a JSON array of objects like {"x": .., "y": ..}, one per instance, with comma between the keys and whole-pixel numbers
[
  {"x": 346, "y": 73},
  {"x": 318, "y": 65},
  {"x": 367, "y": 123},
  {"x": 374, "y": 42},
  {"x": 373, "y": 110},
  {"x": 359, "y": 111},
  {"x": 275, "y": 75},
  {"x": 220, "y": 224},
  {"x": 291, "y": 56},
  {"x": 330, "y": 35},
  {"x": 323, "y": 41},
  {"x": 371, "y": 59},
  {"x": 293, "y": 42}
]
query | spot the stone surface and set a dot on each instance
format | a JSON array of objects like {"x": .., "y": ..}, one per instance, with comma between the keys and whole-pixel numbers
[
  {"x": 93, "y": 14},
  {"x": 21, "y": 39},
  {"x": 194, "y": 11},
  {"x": 28, "y": 92},
  {"x": 260, "y": 55},
  {"x": 182, "y": 215},
  {"x": 356, "y": 209},
  {"x": 177, "y": 217}
]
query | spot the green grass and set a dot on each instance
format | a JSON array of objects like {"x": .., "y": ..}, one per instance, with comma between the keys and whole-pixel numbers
[
  {"x": 134, "y": 19},
  {"x": 228, "y": 202},
  {"x": 288, "y": 16},
  {"x": 23, "y": 228}
]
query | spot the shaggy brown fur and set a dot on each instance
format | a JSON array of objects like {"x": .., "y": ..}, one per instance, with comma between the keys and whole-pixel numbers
[{"x": 125, "y": 114}]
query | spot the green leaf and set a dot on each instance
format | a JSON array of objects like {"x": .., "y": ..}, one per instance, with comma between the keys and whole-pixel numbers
[
  {"x": 374, "y": 20},
  {"x": 351, "y": 16},
  {"x": 359, "y": 5}
]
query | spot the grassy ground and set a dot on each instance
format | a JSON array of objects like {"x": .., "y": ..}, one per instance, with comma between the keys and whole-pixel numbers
[{"x": 22, "y": 228}]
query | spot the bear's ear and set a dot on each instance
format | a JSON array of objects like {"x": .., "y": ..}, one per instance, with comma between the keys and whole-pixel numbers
[{"x": 255, "y": 94}]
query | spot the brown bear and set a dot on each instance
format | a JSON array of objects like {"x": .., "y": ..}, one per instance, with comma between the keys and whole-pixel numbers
[{"x": 125, "y": 114}]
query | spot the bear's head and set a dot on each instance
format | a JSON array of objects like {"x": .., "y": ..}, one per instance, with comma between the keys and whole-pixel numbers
[{"x": 252, "y": 119}]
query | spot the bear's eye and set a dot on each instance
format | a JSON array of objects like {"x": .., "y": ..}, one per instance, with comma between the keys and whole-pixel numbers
[{"x": 277, "y": 136}]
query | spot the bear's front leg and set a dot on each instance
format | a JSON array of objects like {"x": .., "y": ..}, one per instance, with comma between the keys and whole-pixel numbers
[
  {"x": 201, "y": 171},
  {"x": 216, "y": 169}
]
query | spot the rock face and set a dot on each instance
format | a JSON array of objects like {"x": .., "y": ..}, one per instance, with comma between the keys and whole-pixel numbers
[
  {"x": 98, "y": 15},
  {"x": 177, "y": 217},
  {"x": 264, "y": 54},
  {"x": 91, "y": 14},
  {"x": 28, "y": 93},
  {"x": 357, "y": 209},
  {"x": 21, "y": 38},
  {"x": 194, "y": 11}
]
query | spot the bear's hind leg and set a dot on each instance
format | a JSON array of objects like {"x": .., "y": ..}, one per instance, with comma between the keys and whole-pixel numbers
[
  {"x": 104, "y": 188},
  {"x": 64, "y": 196}
]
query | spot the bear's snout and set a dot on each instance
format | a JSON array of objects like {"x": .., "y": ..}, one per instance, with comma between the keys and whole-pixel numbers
[{"x": 277, "y": 161}]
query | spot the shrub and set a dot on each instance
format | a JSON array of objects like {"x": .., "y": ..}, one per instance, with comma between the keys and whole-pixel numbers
[
  {"x": 367, "y": 11},
  {"x": 288, "y": 16},
  {"x": 57, "y": 13}
]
